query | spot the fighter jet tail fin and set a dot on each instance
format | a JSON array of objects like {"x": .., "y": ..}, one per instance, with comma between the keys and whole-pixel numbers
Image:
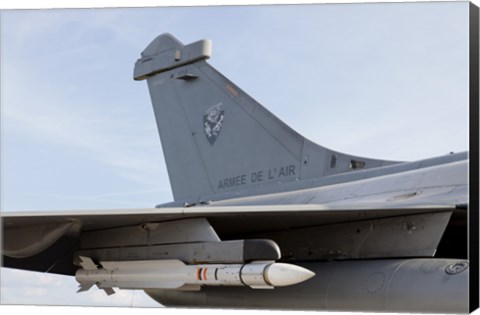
[{"x": 216, "y": 139}]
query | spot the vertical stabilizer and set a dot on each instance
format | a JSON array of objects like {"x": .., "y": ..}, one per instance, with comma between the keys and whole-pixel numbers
[{"x": 215, "y": 137}]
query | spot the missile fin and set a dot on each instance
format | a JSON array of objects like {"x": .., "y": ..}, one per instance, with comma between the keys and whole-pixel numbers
[
  {"x": 84, "y": 287},
  {"x": 87, "y": 263},
  {"x": 108, "y": 290}
]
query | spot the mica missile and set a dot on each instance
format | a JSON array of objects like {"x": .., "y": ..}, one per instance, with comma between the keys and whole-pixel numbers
[{"x": 176, "y": 275}]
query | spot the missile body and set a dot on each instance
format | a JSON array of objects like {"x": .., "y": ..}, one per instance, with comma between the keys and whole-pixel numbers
[{"x": 176, "y": 275}]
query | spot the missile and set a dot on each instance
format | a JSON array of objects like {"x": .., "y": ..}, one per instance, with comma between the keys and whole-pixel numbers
[{"x": 176, "y": 275}]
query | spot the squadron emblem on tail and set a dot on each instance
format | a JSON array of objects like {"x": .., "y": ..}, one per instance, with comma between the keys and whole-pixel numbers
[{"x": 213, "y": 122}]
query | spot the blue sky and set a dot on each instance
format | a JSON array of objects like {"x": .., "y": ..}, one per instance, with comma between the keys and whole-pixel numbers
[{"x": 377, "y": 80}]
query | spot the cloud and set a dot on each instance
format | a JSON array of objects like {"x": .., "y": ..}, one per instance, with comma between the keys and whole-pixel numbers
[
  {"x": 111, "y": 135},
  {"x": 51, "y": 102}
]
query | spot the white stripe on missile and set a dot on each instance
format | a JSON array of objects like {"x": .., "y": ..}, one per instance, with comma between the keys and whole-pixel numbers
[{"x": 174, "y": 274}]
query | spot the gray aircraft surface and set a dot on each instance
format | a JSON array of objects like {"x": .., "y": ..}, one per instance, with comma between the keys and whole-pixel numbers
[{"x": 261, "y": 217}]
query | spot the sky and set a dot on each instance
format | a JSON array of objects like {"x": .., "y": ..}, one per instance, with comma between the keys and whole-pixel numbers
[{"x": 385, "y": 81}]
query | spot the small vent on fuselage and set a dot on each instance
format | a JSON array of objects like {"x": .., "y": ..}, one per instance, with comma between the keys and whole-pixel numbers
[
  {"x": 333, "y": 161},
  {"x": 357, "y": 165}
]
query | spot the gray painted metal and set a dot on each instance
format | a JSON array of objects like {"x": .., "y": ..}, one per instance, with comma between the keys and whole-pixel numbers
[
  {"x": 226, "y": 220},
  {"x": 334, "y": 179},
  {"x": 216, "y": 138},
  {"x": 26, "y": 241},
  {"x": 227, "y": 252},
  {"x": 404, "y": 236},
  {"x": 152, "y": 233},
  {"x": 439, "y": 184},
  {"x": 411, "y": 285},
  {"x": 166, "y": 53}
]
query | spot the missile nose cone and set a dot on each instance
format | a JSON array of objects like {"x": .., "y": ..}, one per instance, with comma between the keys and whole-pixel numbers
[{"x": 280, "y": 275}]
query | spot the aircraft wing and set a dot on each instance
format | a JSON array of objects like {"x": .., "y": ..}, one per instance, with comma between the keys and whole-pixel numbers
[{"x": 45, "y": 241}]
